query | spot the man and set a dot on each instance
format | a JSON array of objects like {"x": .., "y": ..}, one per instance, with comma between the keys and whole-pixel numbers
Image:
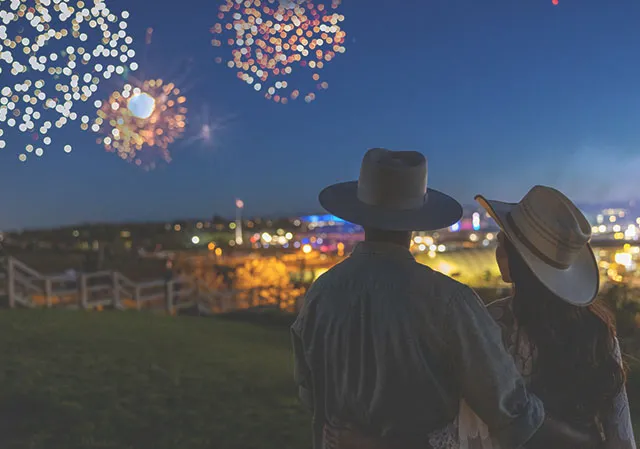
[{"x": 385, "y": 348}]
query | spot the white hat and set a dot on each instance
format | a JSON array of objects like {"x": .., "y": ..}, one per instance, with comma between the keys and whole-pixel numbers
[
  {"x": 552, "y": 236},
  {"x": 392, "y": 195}
]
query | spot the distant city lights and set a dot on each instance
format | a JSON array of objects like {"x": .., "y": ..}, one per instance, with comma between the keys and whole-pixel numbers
[
  {"x": 475, "y": 221},
  {"x": 631, "y": 233},
  {"x": 624, "y": 259}
]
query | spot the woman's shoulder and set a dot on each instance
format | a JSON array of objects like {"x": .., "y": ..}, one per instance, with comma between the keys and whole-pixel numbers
[
  {"x": 501, "y": 310},
  {"x": 500, "y": 307}
]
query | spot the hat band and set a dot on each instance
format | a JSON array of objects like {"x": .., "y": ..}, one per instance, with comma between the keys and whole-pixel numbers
[
  {"x": 531, "y": 247},
  {"x": 390, "y": 200}
]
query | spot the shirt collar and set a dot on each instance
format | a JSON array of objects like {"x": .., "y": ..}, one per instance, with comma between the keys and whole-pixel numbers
[{"x": 382, "y": 249}]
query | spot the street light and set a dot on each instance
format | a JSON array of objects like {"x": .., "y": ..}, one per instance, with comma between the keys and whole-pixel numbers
[{"x": 239, "y": 207}]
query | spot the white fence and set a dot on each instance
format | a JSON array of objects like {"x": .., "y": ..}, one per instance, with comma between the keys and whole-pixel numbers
[{"x": 26, "y": 287}]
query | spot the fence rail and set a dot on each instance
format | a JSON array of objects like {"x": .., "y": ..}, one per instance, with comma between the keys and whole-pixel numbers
[{"x": 25, "y": 287}]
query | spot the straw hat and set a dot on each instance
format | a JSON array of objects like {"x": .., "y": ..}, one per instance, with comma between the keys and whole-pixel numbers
[
  {"x": 552, "y": 236},
  {"x": 392, "y": 194}
]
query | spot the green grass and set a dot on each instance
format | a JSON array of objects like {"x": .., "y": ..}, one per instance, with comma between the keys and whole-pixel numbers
[
  {"x": 132, "y": 380},
  {"x": 74, "y": 380}
]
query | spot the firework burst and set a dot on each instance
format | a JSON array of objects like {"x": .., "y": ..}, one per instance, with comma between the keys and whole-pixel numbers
[
  {"x": 140, "y": 121},
  {"x": 271, "y": 40},
  {"x": 53, "y": 55}
]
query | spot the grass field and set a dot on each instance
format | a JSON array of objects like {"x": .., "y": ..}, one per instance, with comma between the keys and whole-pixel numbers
[{"x": 72, "y": 380}]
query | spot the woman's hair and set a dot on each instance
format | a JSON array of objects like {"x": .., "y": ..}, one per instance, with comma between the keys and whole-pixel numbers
[{"x": 576, "y": 372}]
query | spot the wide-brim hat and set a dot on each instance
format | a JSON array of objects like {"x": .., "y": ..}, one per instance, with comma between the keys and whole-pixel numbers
[
  {"x": 391, "y": 194},
  {"x": 552, "y": 237}
]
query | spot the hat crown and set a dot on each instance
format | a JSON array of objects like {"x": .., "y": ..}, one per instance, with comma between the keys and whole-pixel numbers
[
  {"x": 393, "y": 179},
  {"x": 549, "y": 222}
]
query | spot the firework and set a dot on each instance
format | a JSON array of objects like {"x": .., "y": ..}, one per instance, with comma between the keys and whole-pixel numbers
[
  {"x": 53, "y": 55},
  {"x": 273, "y": 39},
  {"x": 140, "y": 121}
]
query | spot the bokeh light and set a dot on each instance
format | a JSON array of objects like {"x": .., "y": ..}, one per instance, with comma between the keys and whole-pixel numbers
[
  {"x": 53, "y": 56},
  {"x": 141, "y": 121},
  {"x": 141, "y": 105},
  {"x": 272, "y": 41}
]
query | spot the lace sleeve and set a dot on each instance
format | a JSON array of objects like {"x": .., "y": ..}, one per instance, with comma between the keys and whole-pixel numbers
[
  {"x": 617, "y": 426},
  {"x": 473, "y": 433}
]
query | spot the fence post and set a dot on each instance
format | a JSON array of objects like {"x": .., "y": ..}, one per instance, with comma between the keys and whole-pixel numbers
[
  {"x": 168, "y": 293},
  {"x": 11, "y": 283},
  {"x": 115, "y": 287},
  {"x": 48, "y": 293},
  {"x": 84, "y": 294},
  {"x": 136, "y": 296}
]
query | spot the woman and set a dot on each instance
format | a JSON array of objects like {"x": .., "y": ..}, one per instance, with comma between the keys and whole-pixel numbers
[{"x": 562, "y": 340}]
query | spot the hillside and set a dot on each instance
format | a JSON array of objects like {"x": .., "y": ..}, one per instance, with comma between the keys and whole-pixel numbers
[{"x": 129, "y": 380}]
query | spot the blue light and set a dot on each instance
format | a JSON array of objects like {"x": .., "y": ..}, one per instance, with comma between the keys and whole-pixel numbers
[
  {"x": 455, "y": 227},
  {"x": 321, "y": 218},
  {"x": 334, "y": 218},
  {"x": 476, "y": 221}
]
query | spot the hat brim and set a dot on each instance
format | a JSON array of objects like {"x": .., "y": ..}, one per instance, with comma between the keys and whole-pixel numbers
[
  {"x": 439, "y": 211},
  {"x": 578, "y": 284}
]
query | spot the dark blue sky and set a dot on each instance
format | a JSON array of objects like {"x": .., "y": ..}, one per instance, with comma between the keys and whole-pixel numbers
[{"x": 499, "y": 95}]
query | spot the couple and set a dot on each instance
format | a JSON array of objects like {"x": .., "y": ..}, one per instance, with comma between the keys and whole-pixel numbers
[{"x": 392, "y": 355}]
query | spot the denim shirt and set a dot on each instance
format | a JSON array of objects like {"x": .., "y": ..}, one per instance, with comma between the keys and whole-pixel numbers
[{"x": 390, "y": 347}]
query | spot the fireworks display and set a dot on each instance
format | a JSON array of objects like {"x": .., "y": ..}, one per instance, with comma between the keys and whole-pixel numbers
[
  {"x": 140, "y": 121},
  {"x": 271, "y": 40},
  {"x": 53, "y": 55}
]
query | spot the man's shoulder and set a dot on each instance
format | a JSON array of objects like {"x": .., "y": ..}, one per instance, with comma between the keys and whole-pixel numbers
[
  {"x": 329, "y": 278},
  {"x": 446, "y": 281},
  {"x": 450, "y": 288},
  {"x": 423, "y": 278},
  {"x": 333, "y": 274},
  {"x": 349, "y": 266}
]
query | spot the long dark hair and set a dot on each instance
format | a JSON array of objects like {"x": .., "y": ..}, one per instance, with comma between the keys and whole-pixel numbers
[{"x": 576, "y": 372}]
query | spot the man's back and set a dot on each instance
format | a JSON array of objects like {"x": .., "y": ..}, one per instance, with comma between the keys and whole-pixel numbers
[{"x": 382, "y": 345}]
